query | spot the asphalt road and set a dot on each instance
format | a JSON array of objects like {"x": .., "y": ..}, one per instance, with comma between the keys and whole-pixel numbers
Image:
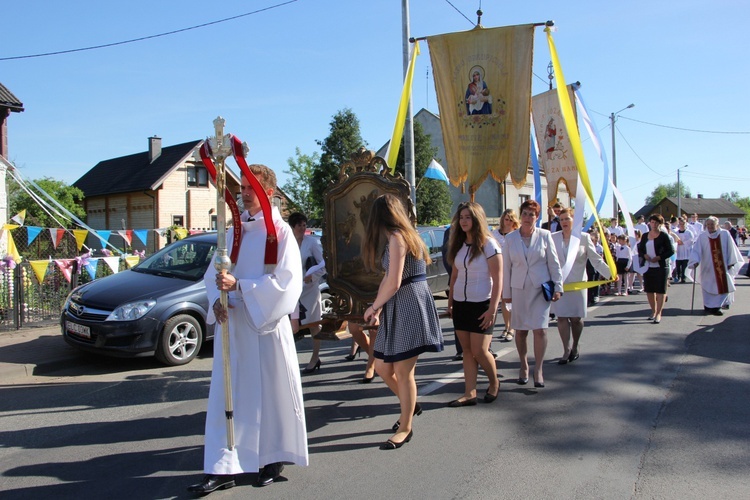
[{"x": 648, "y": 411}]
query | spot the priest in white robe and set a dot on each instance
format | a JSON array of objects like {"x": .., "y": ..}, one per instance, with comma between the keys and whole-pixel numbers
[
  {"x": 718, "y": 261},
  {"x": 269, "y": 413}
]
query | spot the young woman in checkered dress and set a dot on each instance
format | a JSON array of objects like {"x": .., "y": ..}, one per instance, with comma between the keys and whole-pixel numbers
[{"x": 403, "y": 308}]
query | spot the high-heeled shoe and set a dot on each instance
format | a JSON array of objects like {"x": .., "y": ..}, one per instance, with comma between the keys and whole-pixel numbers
[
  {"x": 417, "y": 412},
  {"x": 367, "y": 380},
  {"x": 392, "y": 445},
  {"x": 308, "y": 370},
  {"x": 522, "y": 381},
  {"x": 350, "y": 357},
  {"x": 538, "y": 384}
]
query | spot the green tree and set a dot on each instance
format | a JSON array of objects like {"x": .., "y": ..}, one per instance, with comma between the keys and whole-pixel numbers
[
  {"x": 742, "y": 202},
  {"x": 433, "y": 198},
  {"x": 344, "y": 139},
  {"x": 298, "y": 187},
  {"x": 68, "y": 196},
  {"x": 665, "y": 190}
]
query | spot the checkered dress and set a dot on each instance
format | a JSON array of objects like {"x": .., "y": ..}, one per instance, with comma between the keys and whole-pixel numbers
[{"x": 409, "y": 323}]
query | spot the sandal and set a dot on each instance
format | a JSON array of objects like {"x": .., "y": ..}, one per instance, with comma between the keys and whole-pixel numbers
[{"x": 508, "y": 337}]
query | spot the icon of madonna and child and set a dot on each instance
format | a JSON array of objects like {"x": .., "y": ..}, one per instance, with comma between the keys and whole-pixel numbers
[{"x": 478, "y": 99}]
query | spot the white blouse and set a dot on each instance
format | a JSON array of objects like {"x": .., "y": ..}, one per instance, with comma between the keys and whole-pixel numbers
[{"x": 474, "y": 283}]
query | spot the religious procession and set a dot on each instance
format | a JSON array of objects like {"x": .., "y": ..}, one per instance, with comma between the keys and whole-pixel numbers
[
  {"x": 543, "y": 258},
  {"x": 529, "y": 271}
]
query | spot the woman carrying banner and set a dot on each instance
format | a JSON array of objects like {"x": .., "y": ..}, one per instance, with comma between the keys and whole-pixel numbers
[
  {"x": 474, "y": 296},
  {"x": 403, "y": 308},
  {"x": 571, "y": 308},
  {"x": 530, "y": 261}
]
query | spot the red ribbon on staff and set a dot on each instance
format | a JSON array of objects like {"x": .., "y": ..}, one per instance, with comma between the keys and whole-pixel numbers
[
  {"x": 272, "y": 242},
  {"x": 272, "y": 245},
  {"x": 229, "y": 199}
]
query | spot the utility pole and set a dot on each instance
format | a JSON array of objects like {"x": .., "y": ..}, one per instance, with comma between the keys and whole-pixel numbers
[
  {"x": 612, "y": 119},
  {"x": 409, "y": 124}
]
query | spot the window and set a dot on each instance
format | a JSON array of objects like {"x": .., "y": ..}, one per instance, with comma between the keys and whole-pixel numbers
[
  {"x": 178, "y": 220},
  {"x": 522, "y": 198},
  {"x": 197, "y": 176}
]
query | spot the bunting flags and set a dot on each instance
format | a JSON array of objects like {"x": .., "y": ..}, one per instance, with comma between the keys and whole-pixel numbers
[
  {"x": 57, "y": 235},
  {"x": 141, "y": 234},
  {"x": 483, "y": 84},
  {"x": 31, "y": 233},
  {"x": 90, "y": 267},
  {"x": 20, "y": 217},
  {"x": 127, "y": 235},
  {"x": 66, "y": 267},
  {"x": 80, "y": 236},
  {"x": 40, "y": 268}
]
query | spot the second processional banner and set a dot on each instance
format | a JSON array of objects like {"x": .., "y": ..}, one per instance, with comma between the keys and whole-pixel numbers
[
  {"x": 483, "y": 85},
  {"x": 555, "y": 151}
]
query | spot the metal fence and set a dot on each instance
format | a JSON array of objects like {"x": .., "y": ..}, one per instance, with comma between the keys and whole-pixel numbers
[{"x": 27, "y": 300}]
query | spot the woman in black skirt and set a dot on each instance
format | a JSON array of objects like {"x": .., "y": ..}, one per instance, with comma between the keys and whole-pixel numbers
[
  {"x": 473, "y": 297},
  {"x": 655, "y": 248}
]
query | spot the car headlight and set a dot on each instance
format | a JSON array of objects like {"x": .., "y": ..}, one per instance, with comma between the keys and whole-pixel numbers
[{"x": 131, "y": 311}]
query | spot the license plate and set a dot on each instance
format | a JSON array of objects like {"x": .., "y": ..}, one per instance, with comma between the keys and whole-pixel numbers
[{"x": 80, "y": 330}]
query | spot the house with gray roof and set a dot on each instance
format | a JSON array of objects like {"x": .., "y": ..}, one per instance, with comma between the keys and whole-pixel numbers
[{"x": 720, "y": 208}]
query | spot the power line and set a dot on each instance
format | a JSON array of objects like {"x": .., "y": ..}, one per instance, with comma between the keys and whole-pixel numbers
[
  {"x": 105, "y": 45},
  {"x": 685, "y": 129},
  {"x": 449, "y": 3}
]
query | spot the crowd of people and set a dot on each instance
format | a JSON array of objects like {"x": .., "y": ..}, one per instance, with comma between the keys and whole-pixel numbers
[{"x": 519, "y": 269}]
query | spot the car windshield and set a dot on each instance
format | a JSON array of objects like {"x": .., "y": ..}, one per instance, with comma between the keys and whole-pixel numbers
[{"x": 185, "y": 259}]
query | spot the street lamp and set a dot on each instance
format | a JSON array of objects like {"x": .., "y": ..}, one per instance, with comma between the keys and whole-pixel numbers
[
  {"x": 612, "y": 119},
  {"x": 679, "y": 207}
]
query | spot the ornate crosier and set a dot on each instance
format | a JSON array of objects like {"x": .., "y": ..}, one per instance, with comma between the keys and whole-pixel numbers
[{"x": 221, "y": 148}]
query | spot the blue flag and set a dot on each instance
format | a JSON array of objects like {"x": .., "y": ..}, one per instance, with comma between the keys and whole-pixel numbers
[{"x": 436, "y": 171}]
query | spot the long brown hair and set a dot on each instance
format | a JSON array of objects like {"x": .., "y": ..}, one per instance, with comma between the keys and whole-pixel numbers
[
  {"x": 479, "y": 231},
  {"x": 388, "y": 215}
]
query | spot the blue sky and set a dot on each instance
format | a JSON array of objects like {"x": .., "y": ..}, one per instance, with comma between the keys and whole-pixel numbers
[{"x": 279, "y": 76}]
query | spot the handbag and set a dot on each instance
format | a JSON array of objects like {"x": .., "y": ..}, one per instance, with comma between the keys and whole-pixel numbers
[{"x": 548, "y": 290}]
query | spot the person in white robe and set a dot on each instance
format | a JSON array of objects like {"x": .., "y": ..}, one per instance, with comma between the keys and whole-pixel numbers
[
  {"x": 718, "y": 260},
  {"x": 269, "y": 413}
]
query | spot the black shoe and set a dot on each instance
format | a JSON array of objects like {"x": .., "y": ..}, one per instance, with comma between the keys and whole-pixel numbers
[
  {"x": 392, "y": 445},
  {"x": 717, "y": 312},
  {"x": 573, "y": 355},
  {"x": 522, "y": 381},
  {"x": 493, "y": 354},
  {"x": 489, "y": 398},
  {"x": 466, "y": 402},
  {"x": 562, "y": 361},
  {"x": 458, "y": 357},
  {"x": 316, "y": 366},
  {"x": 350, "y": 357},
  {"x": 538, "y": 384},
  {"x": 367, "y": 380},
  {"x": 212, "y": 482},
  {"x": 417, "y": 412},
  {"x": 269, "y": 474}
]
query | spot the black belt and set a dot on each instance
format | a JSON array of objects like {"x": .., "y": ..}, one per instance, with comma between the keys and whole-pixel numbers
[{"x": 413, "y": 279}]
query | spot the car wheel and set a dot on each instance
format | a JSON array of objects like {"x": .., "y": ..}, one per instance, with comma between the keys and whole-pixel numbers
[
  {"x": 326, "y": 301},
  {"x": 180, "y": 340}
]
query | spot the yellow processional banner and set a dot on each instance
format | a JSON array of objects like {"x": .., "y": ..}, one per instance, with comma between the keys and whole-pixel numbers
[
  {"x": 483, "y": 85},
  {"x": 555, "y": 151}
]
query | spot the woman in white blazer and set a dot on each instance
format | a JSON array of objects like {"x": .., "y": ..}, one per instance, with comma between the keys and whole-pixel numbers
[
  {"x": 571, "y": 308},
  {"x": 530, "y": 260}
]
